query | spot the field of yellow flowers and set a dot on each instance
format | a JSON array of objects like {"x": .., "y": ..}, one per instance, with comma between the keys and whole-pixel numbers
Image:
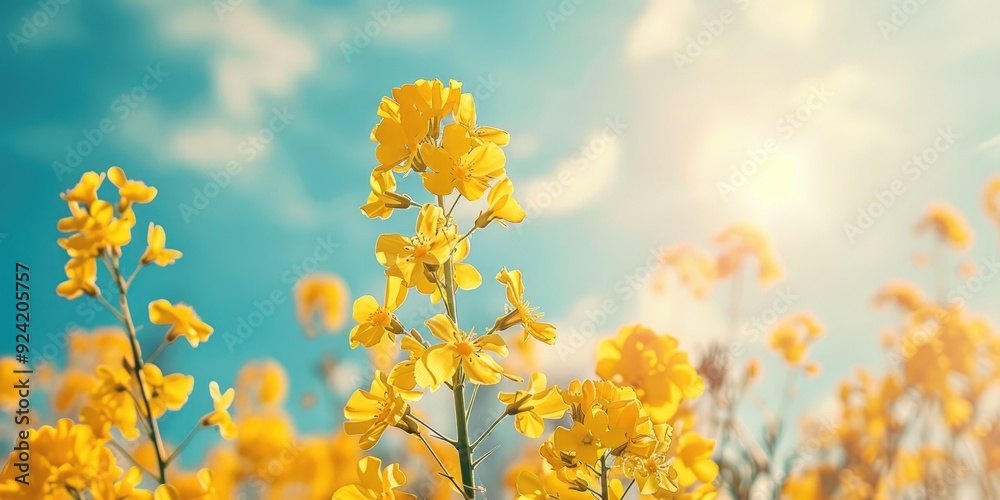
[{"x": 654, "y": 420}]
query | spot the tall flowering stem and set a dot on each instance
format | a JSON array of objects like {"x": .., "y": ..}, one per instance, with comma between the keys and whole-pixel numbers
[
  {"x": 126, "y": 317},
  {"x": 428, "y": 132},
  {"x": 458, "y": 384}
]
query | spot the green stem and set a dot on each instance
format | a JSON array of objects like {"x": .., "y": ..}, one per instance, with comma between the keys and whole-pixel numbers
[
  {"x": 154, "y": 434},
  {"x": 458, "y": 387},
  {"x": 463, "y": 447},
  {"x": 605, "y": 493}
]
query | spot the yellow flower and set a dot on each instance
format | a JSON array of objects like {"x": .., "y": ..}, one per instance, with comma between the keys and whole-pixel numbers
[
  {"x": 130, "y": 191},
  {"x": 653, "y": 365},
  {"x": 465, "y": 116},
  {"x": 220, "y": 414},
  {"x": 501, "y": 205},
  {"x": 64, "y": 458},
  {"x": 82, "y": 278},
  {"x": 530, "y": 487},
  {"x": 439, "y": 363},
  {"x": 402, "y": 374},
  {"x": 521, "y": 311},
  {"x": 85, "y": 191},
  {"x": 324, "y": 296},
  {"x": 743, "y": 239},
  {"x": 98, "y": 230},
  {"x": 694, "y": 460},
  {"x": 370, "y": 413},
  {"x": 948, "y": 224},
  {"x": 408, "y": 257},
  {"x": 530, "y": 406},
  {"x": 384, "y": 198},
  {"x": 376, "y": 322},
  {"x": 183, "y": 320},
  {"x": 586, "y": 441},
  {"x": 456, "y": 164},
  {"x": 651, "y": 474},
  {"x": 398, "y": 135},
  {"x": 168, "y": 392},
  {"x": 157, "y": 252},
  {"x": 793, "y": 334},
  {"x": 375, "y": 484},
  {"x": 467, "y": 277}
]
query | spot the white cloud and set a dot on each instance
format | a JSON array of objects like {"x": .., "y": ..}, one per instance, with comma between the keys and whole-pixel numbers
[
  {"x": 207, "y": 144},
  {"x": 575, "y": 182},
  {"x": 659, "y": 29},
  {"x": 792, "y": 20}
]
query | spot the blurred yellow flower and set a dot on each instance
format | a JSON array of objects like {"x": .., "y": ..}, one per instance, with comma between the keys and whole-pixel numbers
[
  {"x": 948, "y": 224},
  {"x": 370, "y": 413},
  {"x": 220, "y": 414},
  {"x": 321, "y": 302},
  {"x": 991, "y": 199},
  {"x": 260, "y": 384},
  {"x": 439, "y": 362},
  {"x": 375, "y": 484},
  {"x": 743, "y": 239},
  {"x": 65, "y": 460},
  {"x": 520, "y": 311},
  {"x": 694, "y": 459},
  {"x": 904, "y": 294},
  {"x": 694, "y": 268},
  {"x": 653, "y": 365},
  {"x": 530, "y": 406},
  {"x": 156, "y": 239},
  {"x": 792, "y": 335},
  {"x": 182, "y": 319},
  {"x": 113, "y": 402}
]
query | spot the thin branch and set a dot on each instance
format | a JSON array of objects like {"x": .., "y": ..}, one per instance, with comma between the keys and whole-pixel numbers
[
  {"x": 472, "y": 401},
  {"x": 441, "y": 464},
  {"x": 437, "y": 434},
  {"x": 488, "y": 431},
  {"x": 180, "y": 447}
]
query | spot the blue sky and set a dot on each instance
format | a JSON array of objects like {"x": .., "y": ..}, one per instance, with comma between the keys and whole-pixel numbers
[{"x": 635, "y": 115}]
